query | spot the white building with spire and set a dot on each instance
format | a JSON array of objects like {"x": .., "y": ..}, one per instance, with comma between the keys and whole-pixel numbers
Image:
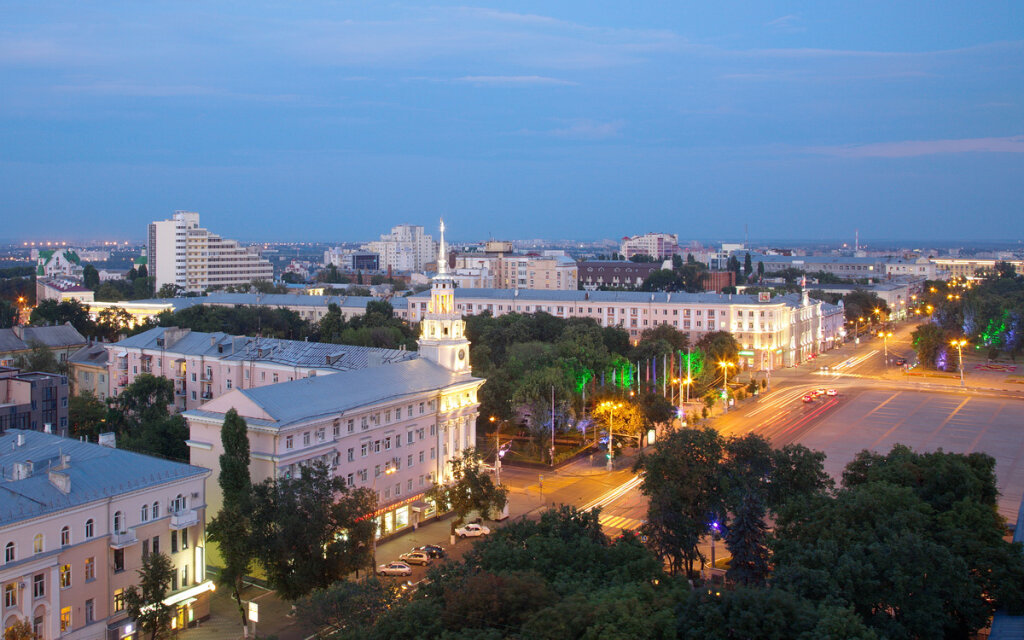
[{"x": 392, "y": 428}]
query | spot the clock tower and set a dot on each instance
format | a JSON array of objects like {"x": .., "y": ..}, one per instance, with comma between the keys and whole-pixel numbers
[{"x": 442, "y": 330}]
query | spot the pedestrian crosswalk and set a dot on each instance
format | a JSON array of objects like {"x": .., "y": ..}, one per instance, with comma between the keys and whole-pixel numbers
[{"x": 620, "y": 522}]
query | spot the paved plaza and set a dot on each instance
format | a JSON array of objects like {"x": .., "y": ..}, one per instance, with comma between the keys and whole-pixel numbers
[{"x": 926, "y": 421}]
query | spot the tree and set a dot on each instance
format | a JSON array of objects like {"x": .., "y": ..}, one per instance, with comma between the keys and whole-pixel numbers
[
  {"x": 746, "y": 538},
  {"x": 9, "y": 314},
  {"x": 748, "y": 266},
  {"x": 680, "y": 480},
  {"x": 21, "y": 630},
  {"x": 51, "y": 312},
  {"x": 760, "y": 270},
  {"x": 295, "y": 524},
  {"x": 40, "y": 358},
  {"x": 930, "y": 342},
  {"x": 112, "y": 322},
  {"x": 145, "y": 602},
  {"x": 863, "y": 304},
  {"x": 643, "y": 258},
  {"x": 86, "y": 415},
  {"x": 470, "y": 490},
  {"x": 230, "y": 528},
  {"x": 170, "y": 290},
  {"x": 350, "y": 606},
  {"x": 90, "y": 277},
  {"x": 140, "y": 417},
  {"x": 662, "y": 280}
]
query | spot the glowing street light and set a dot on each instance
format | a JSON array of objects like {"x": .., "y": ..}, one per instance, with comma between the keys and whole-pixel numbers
[
  {"x": 960, "y": 344},
  {"x": 611, "y": 407},
  {"x": 725, "y": 379},
  {"x": 885, "y": 335}
]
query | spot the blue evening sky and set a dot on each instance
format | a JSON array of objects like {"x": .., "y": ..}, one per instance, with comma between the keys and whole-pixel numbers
[{"x": 330, "y": 121}]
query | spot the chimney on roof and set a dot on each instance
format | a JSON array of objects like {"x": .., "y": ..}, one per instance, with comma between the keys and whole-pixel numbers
[
  {"x": 21, "y": 440},
  {"x": 22, "y": 470},
  {"x": 61, "y": 481},
  {"x": 19, "y": 330},
  {"x": 47, "y": 427}
]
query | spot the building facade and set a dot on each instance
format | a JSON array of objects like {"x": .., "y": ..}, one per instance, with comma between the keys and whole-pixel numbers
[
  {"x": 205, "y": 366},
  {"x": 660, "y": 246},
  {"x": 970, "y": 268},
  {"x": 33, "y": 400},
  {"x": 61, "y": 289},
  {"x": 393, "y": 428},
  {"x": 184, "y": 254},
  {"x": 515, "y": 271},
  {"x": 406, "y": 248},
  {"x": 595, "y": 274},
  {"x": 76, "y": 521},
  {"x": 58, "y": 262},
  {"x": 88, "y": 371},
  {"x": 61, "y": 340}
]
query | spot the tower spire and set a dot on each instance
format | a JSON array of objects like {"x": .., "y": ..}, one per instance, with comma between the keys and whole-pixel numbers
[{"x": 442, "y": 254}]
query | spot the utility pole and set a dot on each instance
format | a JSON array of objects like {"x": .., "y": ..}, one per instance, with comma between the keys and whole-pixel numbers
[{"x": 552, "y": 425}]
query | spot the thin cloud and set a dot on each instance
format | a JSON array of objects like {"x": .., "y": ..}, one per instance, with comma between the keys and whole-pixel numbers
[
  {"x": 589, "y": 130},
  {"x": 913, "y": 148},
  {"x": 514, "y": 81},
  {"x": 789, "y": 24}
]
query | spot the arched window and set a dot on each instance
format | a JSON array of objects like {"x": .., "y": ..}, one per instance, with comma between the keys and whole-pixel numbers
[
  {"x": 156, "y": 510},
  {"x": 65, "y": 536},
  {"x": 118, "y": 522},
  {"x": 178, "y": 505},
  {"x": 9, "y": 552},
  {"x": 89, "y": 528},
  {"x": 37, "y": 543},
  {"x": 144, "y": 515}
]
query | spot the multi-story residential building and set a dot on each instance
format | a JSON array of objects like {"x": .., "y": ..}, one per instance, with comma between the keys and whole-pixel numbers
[
  {"x": 88, "y": 371},
  {"x": 33, "y": 400},
  {"x": 204, "y": 366},
  {"x": 971, "y": 268},
  {"x": 62, "y": 340},
  {"x": 913, "y": 268},
  {"x": 779, "y": 331},
  {"x": 406, "y": 248},
  {"x": 595, "y": 274},
  {"x": 392, "y": 428},
  {"x": 61, "y": 289},
  {"x": 515, "y": 271},
  {"x": 352, "y": 259},
  {"x": 842, "y": 266},
  {"x": 183, "y": 253},
  {"x": 657, "y": 245},
  {"x": 76, "y": 521}
]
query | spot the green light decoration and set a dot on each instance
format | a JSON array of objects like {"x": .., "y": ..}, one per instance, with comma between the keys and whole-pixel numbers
[
  {"x": 582, "y": 378},
  {"x": 995, "y": 333},
  {"x": 696, "y": 363}
]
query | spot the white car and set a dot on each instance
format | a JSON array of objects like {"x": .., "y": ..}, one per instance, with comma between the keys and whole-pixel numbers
[
  {"x": 472, "y": 531},
  {"x": 394, "y": 569}
]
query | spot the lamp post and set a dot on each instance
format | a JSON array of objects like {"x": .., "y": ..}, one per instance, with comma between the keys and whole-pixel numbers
[
  {"x": 715, "y": 527},
  {"x": 856, "y": 330},
  {"x": 885, "y": 335},
  {"x": 960, "y": 344},
  {"x": 388, "y": 470},
  {"x": 725, "y": 380},
  {"x": 611, "y": 407}
]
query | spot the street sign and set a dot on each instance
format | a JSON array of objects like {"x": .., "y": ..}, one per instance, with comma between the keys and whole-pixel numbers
[
  {"x": 747, "y": 353},
  {"x": 254, "y": 612}
]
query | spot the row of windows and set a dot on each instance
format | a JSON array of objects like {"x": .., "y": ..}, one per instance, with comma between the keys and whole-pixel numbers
[{"x": 365, "y": 423}]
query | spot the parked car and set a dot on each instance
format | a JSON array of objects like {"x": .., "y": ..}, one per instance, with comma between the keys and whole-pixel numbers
[
  {"x": 415, "y": 557},
  {"x": 472, "y": 531},
  {"x": 394, "y": 569},
  {"x": 432, "y": 550}
]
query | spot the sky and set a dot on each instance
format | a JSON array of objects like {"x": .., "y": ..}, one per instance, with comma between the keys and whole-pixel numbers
[{"x": 333, "y": 121}]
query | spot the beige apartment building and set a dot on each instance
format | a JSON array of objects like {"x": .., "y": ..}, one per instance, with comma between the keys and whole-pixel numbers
[
  {"x": 514, "y": 271},
  {"x": 181, "y": 252},
  {"x": 970, "y": 268},
  {"x": 76, "y": 520}
]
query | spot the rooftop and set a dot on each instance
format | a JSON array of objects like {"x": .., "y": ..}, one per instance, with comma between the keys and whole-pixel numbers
[
  {"x": 95, "y": 473},
  {"x": 615, "y": 297},
  {"x": 55, "y": 337},
  {"x": 270, "y": 300}
]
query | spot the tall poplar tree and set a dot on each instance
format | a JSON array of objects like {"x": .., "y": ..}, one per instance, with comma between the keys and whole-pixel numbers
[{"x": 231, "y": 528}]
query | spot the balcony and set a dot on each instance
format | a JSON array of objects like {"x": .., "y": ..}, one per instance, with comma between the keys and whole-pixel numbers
[
  {"x": 207, "y": 395},
  {"x": 123, "y": 539},
  {"x": 184, "y": 519},
  {"x": 122, "y": 381},
  {"x": 180, "y": 391}
]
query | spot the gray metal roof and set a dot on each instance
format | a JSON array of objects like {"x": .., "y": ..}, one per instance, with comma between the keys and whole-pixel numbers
[
  {"x": 271, "y": 300},
  {"x": 292, "y": 353},
  {"x": 815, "y": 259},
  {"x": 95, "y": 472},
  {"x": 308, "y": 398},
  {"x": 55, "y": 337},
  {"x": 94, "y": 354}
]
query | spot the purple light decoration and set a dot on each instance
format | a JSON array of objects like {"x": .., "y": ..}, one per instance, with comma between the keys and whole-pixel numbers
[{"x": 942, "y": 359}]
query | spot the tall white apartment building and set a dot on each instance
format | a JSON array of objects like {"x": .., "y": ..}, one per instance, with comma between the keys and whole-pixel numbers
[
  {"x": 406, "y": 248},
  {"x": 183, "y": 253},
  {"x": 656, "y": 245}
]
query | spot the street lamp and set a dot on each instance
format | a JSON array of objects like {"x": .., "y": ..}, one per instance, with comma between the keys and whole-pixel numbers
[
  {"x": 388, "y": 470},
  {"x": 885, "y": 335},
  {"x": 960, "y": 344},
  {"x": 715, "y": 528},
  {"x": 725, "y": 379},
  {"x": 611, "y": 407},
  {"x": 856, "y": 330}
]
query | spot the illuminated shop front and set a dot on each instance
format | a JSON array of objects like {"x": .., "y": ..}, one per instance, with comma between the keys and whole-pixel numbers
[{"x": 399, "y": 516}]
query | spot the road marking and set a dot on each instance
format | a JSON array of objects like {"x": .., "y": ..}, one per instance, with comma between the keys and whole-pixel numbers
[
  {"x": 620, "y": 522},
  {"x": 613, "y": 494}
]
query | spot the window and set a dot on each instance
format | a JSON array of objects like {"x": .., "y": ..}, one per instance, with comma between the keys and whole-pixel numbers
[
  {"x": 9, "y": 552},
  {"x": 350, "y": 480},
  {"x": 433, "y": 430},
  {"x": 387, "y": 443},
  {"x": 432, "y": 453},
  {"x": 275, "y": 378},
  {"x": 408, "y": 485},
  {"x": 156, "y": 510},
  {"x": 336, "y": 430},
  {"x": 184, "y": 576},
  {"x": 409, "y": 461},
  {"x": 387, "y": 416},
  {"x": 408, "y": 411},
  {"x": 174, "y": 581},
  {"x": 90, "y": 569},
  {"x": 65, "y": 576},
  {"x": 376, "y": 446},
  {"x": 398, "y": 440},
  {"x": 145, "y": 549},
  {"x": 89, "y": 528},
  {"x": 65, "y": 619},
  {"x": 118, "y": 521},
  {"x": 118, "y": 561},
  {"x": 144, "y": 515},
  {"x": 351, "y": 426},
  {"x": 351, "y": 454},
  {"x": 184, "y": 538},
  {"x": 39, "y": 585},
  {"x": 408, "y": 437},
  {"x": 178, "y": 504},
  {"x": 65, "y": 536},
  {"x": 363, "y": 448},
  {"x": 289, "y": 442},
  {"x": 174, "y": 541},
  {"x": 421, "y": 456},
  {"x": 90, "y": 611},
  {"x": 305, "y": 439},
  {"x": 37, "y": 543},
  {"x": 376, "y": 471},
  {"x": 118, "y": 600},
  {"x": 421, "y": 408},
  {"x": 11, "y": 595}
]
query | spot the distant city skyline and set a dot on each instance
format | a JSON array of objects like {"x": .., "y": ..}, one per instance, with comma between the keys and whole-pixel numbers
[{"x": 319, "y": 121}]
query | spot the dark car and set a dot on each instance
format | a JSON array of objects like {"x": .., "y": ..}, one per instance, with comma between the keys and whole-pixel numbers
[
  {"x": 432, "y": 550},
  {"x": 901, "y": 361}
]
